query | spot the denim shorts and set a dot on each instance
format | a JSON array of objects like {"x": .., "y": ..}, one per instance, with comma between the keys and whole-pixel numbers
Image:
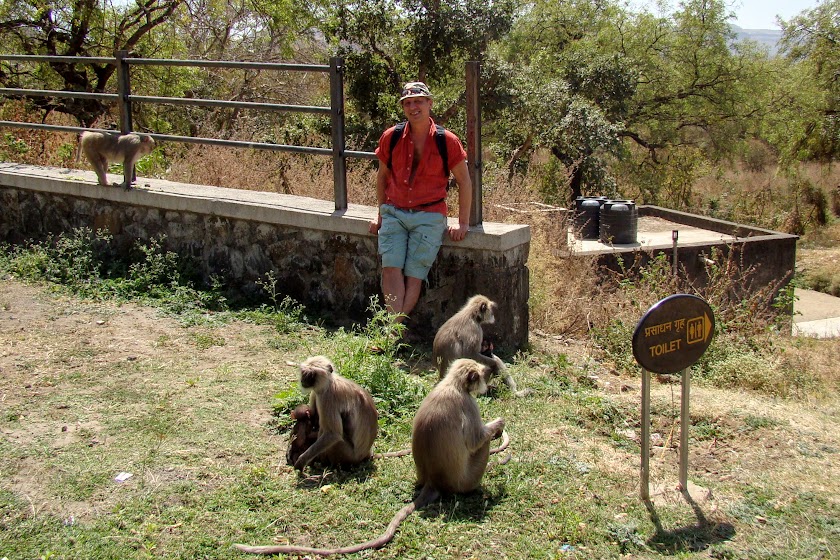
[{"x": 410, "y": 239}]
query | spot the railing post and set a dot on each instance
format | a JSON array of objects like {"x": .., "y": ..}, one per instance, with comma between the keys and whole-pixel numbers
[
  {"x": 473, "y": 74},
  {"x": 337, "y": 117},
  {"x": 124, "y": 91}
]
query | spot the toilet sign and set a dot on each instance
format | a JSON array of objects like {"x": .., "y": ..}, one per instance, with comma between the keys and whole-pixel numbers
[{"x": 673, "y": 334}]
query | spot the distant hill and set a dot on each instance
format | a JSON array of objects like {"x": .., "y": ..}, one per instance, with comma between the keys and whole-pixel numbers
[{"x": 768, "y": 37}]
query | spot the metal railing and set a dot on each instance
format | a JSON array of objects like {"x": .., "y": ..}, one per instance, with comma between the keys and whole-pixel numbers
[{"x": 124, "y": 99}]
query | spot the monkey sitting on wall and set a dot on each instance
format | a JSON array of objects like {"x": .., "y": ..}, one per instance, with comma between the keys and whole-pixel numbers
[
  {"x": 346, "y": 416},
  {"x": 450, "y": 444},
  {"x": 103, "y": 147},
  {"x": 462, "y": 336}
]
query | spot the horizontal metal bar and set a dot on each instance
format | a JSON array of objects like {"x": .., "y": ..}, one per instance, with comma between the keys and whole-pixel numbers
[
  {"x": 52, "y": 127},
  {"x": 194, "y": 140},
  {"x": 360, "y": 155},
  {"x": 241, "y": 144},
  {"x": 235, "y": 104},
  {"x": 167, "y": 100},
  {"x": 45, "y": 58},
  {"x": 56, "y": 93},
  {"x": 228, "y": 64},
  {"x": 186, "y": 139},
  {"x": 170, "y": 62}
]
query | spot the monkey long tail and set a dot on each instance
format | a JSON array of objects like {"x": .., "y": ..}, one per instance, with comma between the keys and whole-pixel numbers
[
  {"x": 503, "y": 445},
  {"x": 427, "y": 495},
  {"x": 400, "y": 453}
]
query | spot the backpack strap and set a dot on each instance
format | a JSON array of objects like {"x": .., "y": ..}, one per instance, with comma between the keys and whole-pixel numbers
[
  {"x": 395, "y": 137},
  {"x": 440, "y": 140}
]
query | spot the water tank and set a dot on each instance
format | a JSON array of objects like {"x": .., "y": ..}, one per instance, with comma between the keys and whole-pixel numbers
[
  {"x": 587, "y": 210},
  {"x": 619, "y": 222}
]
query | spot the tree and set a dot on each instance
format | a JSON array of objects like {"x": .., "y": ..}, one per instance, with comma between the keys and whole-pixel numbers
[
  {"x": 74, "y": 28},
  {"x": 658, "y": 91},
  {"x": 694, "y": 83},
  {"x": 386, "y": 43},
  {"x": 812, "y": 39},
  {"x": 570, "y": 92},
  {"x": 695, "y": 101},
  {"x": 238, "y": 30}
]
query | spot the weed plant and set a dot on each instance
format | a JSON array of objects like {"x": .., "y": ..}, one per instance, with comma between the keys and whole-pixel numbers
[
  {"x": 82, "y": 263},
  {"x": 286, "y": 315},
  {"x": 744, "y": 353}
]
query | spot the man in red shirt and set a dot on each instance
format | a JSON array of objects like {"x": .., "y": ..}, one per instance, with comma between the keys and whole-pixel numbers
[{"x": 411, "y": 192}]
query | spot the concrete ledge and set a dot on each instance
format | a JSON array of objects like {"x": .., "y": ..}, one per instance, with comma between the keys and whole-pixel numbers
[
  {"x": 266, "y": 207},
  {"x": 821, "y": 328},
  {"x": 706, "y": 223}
]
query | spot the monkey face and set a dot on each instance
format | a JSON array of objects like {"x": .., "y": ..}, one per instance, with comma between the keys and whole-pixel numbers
[
  {"x": 490, "y": 313},
  {"x": 479, "y": 385},
  {"x": 471, "y": 376},
  {"x": 315, "y": 371},
  {"x": 482, "y": 309},
  {"x": 308, "y": 378}
]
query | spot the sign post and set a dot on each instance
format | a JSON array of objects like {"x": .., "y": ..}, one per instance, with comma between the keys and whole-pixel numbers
[{"x": 670, "y": 337}]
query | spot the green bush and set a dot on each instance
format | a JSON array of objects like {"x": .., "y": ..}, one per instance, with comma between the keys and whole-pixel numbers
[{"x": 77, "y": 262}]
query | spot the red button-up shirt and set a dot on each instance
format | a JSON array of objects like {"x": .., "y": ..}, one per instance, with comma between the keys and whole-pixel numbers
[{"x": 429, "y": 184}]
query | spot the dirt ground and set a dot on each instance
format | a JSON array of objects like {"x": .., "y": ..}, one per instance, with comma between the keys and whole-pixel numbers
[
  {"x": 34, "y": 323},
  {"x": 45, "y": 336}
]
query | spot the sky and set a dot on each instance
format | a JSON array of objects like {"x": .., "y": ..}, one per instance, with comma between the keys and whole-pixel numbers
[
  {"x": 749, "y": 14},
  {"x": 761, "y": 14}
]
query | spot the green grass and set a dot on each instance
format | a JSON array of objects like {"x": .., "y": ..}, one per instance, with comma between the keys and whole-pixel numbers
[{"x": 195, "y": 410}]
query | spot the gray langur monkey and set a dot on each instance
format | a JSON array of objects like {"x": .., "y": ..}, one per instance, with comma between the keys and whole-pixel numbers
[
  {"x": 100, "y": 148},
  {"x": 462, "y": 336},
  {"x": 450, "y": 444},
  {"x": 449, "y": 441},
  {"x": 345, "y": 412}
]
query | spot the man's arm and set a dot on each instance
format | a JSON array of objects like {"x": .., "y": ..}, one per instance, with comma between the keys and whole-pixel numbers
[{"x": 462, "y": 177}]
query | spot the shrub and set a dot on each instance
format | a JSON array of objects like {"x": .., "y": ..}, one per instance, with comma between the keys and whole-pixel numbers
[
  {"x": 76, "y": 261},
  {"x": 737, "y": 364},
  {"x": 744, "y": 320}
]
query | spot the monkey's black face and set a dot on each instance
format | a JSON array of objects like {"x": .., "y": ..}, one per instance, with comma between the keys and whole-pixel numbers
[{"x": 308, "y": 378}]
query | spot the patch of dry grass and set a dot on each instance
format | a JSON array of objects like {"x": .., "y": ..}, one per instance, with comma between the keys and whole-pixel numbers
[
  {"x": 818, "y": 260},
  {"x": 795, "y": 201}
]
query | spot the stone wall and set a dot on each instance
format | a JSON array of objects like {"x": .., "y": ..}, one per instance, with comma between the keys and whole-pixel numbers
[{"x": 324, "y": 259}]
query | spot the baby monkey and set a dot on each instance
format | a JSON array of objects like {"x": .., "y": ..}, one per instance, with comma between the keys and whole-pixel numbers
[{"x": 103, "y": 147}]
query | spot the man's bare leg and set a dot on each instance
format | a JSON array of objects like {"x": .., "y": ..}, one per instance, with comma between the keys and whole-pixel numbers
[
  {"x": 401, "y": 292},
  {"x": 393, "y": 289},
  {"x": 413, "y": 286}
]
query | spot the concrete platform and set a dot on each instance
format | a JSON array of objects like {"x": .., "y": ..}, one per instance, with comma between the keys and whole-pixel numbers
[
  {"x": 816, "y": 314},
  {"x": 653, "y": 232}
]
